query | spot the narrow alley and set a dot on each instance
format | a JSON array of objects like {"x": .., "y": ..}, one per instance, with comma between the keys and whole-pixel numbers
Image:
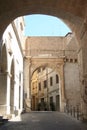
[
  {"x": 44, "y": 121},
  {"x": 43, "y": 78}
]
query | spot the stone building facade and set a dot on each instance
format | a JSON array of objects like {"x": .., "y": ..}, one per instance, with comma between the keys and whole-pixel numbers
[
  {"x": 11, "y": 69},
  {"x": 59, "y": 54},
  {"x": 45, "y": 90},
  {"x": 72, "y": 73}
]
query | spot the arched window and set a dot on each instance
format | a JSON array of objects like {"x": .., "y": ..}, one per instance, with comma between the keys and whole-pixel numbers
[
  {"x": 4, "y": 59},
  {"x": 57, "y": 78}
]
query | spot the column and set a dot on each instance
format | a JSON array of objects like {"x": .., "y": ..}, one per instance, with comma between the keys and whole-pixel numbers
[
  {"x": 27, "y": 84},
  {"x": 82, "y": 58},
  {"x": 62, "y": 89},
  {"x": 8, "y": 93},
  {"x": 63, "y": 99}
]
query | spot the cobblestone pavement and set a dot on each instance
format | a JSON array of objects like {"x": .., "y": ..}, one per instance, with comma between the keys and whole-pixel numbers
[{"x": 44, "y": 121}]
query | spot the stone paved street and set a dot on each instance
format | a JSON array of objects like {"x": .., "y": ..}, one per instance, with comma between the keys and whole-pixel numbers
[{"x": 44, "y": 121}]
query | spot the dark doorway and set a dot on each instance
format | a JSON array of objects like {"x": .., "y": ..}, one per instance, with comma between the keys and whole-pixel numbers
[{"x": 57, "y": 103}]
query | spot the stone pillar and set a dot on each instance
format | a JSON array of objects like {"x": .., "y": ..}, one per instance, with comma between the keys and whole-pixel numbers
[
  {"x": 60, "y": 69},
  {"x": 62, "y": 89},
  {"x": 3, "y": 93},
  {"x": 21, "y": 93},
  {"x": 27, "y": 84},
  {"x": 82, "y": 58},
  {"x": 8, "y": 93}
]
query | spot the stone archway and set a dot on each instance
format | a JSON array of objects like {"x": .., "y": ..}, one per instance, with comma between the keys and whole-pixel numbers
[
  {"x": 72, "y": 15},
  {"x": 48, "y": 62},
  {"x": 71, "y": 12},
  {"x": 45, "y": 88}
]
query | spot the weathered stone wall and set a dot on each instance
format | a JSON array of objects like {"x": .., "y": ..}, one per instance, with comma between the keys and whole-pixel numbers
[
  {"x": 66, "y": 49},
  {"x": 71, "y": 72},
  {"x": 72, "y": 84},
  {"x": 52, "y": 46},
  {"x": 71, "y": 47},
  {"x": 43, "y": 46}
]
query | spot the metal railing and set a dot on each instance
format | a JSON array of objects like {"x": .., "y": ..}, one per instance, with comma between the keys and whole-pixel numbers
[{"x": 74, "y": 111}]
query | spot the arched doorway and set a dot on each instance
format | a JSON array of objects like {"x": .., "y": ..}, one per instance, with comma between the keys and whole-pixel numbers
[
  {"x": 45, "y": 90},
  {"x": 48, "y": 62}
]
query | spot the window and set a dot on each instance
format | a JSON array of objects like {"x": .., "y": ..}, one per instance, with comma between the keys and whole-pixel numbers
[
  {"x": 75, "y": 61},
  {"x": 45, "y": 83},
  {"x": 57, "y": 79},
  {"x": 21, "y": 26},
  {"x": 71, "y": 60},
  {"x": 10, "y": 36},
  {"x": 39, "y": 85},
  {"x": 44, "y": 68},
  {"x": 51, "y": 99},
  {"x": 67, "y": 60},
  {"x": 9, "y": 43},
  {"x": 42, "y": 100},
  {"x": 51, "y": 81},
  {"x": 39, "y": 70}
]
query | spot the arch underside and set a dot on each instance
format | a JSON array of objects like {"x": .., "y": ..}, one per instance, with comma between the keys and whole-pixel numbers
[
  {"x": 71, "y": 12},
  {"x": 53, "y": 63},
  {"x": 56, "y": 65}
]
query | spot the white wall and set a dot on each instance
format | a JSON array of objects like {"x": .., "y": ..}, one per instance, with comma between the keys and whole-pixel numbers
[{"x": 12, "y": 43}]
